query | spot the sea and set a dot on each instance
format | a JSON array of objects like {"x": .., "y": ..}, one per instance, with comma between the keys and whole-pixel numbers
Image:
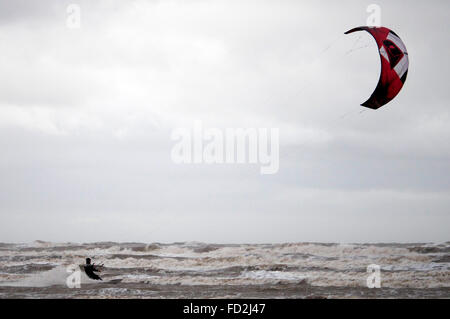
[{"x": 204, "y": 270}]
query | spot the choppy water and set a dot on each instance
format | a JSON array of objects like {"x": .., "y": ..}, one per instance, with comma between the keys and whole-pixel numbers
[{"x": 198, "y": 270}]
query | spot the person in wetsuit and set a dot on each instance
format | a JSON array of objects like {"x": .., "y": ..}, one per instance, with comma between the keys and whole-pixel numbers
[{"x": 91, "y": 269}]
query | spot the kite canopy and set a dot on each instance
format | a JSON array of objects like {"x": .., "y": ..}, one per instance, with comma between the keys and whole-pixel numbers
[{"x": 394, "y": 65}]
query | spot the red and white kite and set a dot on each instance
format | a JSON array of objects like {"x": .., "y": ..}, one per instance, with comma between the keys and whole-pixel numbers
[{"x": 394, "y": 65}]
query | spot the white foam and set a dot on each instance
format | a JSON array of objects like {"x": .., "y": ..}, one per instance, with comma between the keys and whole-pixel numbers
[
  {"x": 54, "y": 277},
  {"x": 275, "y": 275}
]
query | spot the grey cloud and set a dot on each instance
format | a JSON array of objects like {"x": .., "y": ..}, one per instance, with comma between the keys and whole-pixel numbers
[{"x": 86, "y": 116}]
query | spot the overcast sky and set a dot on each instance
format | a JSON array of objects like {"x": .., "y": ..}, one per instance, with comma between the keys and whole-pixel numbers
[{"x": 86, "y": 117}]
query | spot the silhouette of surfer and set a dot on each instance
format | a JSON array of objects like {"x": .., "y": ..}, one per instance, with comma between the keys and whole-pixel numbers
[{"x": 91, "y": 269}]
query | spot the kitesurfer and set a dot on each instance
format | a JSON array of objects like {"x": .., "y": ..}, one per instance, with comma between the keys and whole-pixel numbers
[{"x": 91, "y": 269}]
